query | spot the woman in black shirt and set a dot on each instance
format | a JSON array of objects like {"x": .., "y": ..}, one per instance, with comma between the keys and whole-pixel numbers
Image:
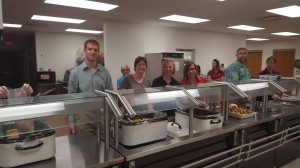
[{"x": 167, "y": 69}]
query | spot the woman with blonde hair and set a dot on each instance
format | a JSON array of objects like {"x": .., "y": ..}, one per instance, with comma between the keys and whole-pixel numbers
[
  {"x": 125, "y": 70},
  {"x": 190, "y": 75},
  {"x": 167, "y": 70}
]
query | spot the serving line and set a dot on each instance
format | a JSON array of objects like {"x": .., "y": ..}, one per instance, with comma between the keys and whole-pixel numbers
[{"x": 231, "y": 125}]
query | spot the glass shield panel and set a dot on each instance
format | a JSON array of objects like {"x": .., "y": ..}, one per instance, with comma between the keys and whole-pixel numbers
[
  {"x": 212, "y": 92},
  {"x": 254, "y": 88},
  {"x": 290, "y": 84},
  {"x": 35, "y": 116},
  {"x": 157, "y": 98}
]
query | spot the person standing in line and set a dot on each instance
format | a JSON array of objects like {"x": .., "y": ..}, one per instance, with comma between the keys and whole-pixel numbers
[
  {"x": 190, "y": 75},
  {"x": 215, "y": 74},
  {"x": 237, "y": 72},
  {"x": 137, "y": 80},
  {"x": 269, "y": 70},
  {"x": 167, "y": 70},
  {"x": 125, "y": 70},
  {"x": 222, "y": 68},
  {"x": 86, "y": 78}
]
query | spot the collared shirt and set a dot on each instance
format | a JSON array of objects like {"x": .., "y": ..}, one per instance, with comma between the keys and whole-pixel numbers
[
  {"x": 237, "y": 73},
  {"x": 159, "y": 81},
  {"x": 82, "y": 79},
  {"x": 266, "y": 72}
]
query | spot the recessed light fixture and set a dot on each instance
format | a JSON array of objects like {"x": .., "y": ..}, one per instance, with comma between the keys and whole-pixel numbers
[
  {"x": 221, "y": 0},
  {"x": 257, "y": 39},
  {"x": 289, "y": 11},
  {"x": 245, "y": 27},
  {"x": 185, "y": 19},
  {"x": 12, "y": 25},
  {"x": 56, "y": 19},
  {"x": 83, "y": 4},
  {"x": 84, "y": 31},
  {"x": 286, "y": 34}
]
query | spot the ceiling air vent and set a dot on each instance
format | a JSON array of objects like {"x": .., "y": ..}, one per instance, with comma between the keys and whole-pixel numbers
[
  {"x": 272, "y": 18},
  {"x": 33, "y": 24}
]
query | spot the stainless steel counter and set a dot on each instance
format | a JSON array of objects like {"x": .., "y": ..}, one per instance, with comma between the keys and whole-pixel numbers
[
  {"x": 79, "y": 151},
  {"x": 232, "y": 125}
]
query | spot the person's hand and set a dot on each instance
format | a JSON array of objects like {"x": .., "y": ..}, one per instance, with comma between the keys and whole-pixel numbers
[
  {"x": 3, "y": 92},
  {"x": 71, "y": 128},
  {"x": 26, "y": 88},
  {"x": 275, "y": 97},
  {"x": 285, "y": 95}
]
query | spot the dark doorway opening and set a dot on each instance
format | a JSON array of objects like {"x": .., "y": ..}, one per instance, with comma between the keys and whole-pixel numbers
[{"x": 13, "y": 68}]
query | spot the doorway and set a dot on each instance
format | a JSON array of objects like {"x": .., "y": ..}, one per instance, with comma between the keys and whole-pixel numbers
[
  {"x": 254, "y": 62},
  {"x": 285, "y": 59},
  {"x": 13, "y": 68}
]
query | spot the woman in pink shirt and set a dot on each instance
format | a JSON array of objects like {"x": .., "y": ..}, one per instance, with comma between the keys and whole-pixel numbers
[{"x": 190, "y": 75}]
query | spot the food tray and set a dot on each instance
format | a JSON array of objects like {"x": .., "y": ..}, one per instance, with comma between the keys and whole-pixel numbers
[{"x": 242, "y": 116}]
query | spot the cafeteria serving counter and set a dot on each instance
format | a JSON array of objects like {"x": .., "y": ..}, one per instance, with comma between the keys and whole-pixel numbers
[{"x": 80, "y": 151}]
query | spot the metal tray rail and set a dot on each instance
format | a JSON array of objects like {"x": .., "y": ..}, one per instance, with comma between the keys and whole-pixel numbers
[
  {"x": 289, "y": 134},
  {"x": 239, "y": 149},
  {"x": 279, "y": 139}
]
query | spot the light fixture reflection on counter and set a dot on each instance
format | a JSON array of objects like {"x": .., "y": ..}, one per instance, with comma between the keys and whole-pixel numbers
[
  {"x": 253, "y": 86},
  {"x": 172, "y": 94},
  {"x": 84, "y": 31},
  {"x": 20, "y": 112},
  {"x": 83, "y": 4}
]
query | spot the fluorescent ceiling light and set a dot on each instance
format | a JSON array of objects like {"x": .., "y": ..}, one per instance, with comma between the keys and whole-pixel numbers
[
  {"x": 257, "y": 39},
  {"x": 286, "y": 34},
  {"x": 83, "y": 4},
  {"x": 12, "y": 25},
  {"x": 56, "y": 19},
  {"x": 84, "y": 31},
  {"x": 186, "y": 19},
  {"x": 289, "y": 11},
  {"x": 245, "y": 27}
]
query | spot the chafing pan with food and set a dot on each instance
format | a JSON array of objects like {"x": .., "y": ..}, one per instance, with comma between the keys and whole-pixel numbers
[
  {"x": 203, "y": 119},
  {"x": 145, "y": 127},
  {"x": 24, "y": 142}
]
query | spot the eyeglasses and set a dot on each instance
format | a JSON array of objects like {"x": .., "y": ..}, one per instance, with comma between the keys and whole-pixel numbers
[{"x": 191, "y": 69}]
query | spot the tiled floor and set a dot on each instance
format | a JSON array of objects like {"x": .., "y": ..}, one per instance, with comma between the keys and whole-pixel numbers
[{"x": 293, "y": 164}]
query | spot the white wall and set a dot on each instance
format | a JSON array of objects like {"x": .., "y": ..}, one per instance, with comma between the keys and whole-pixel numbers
[
  {"x": 123, "y": 42},
  {"x": 268, "y": 47},
  {"x": 57, "y": 51}
]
